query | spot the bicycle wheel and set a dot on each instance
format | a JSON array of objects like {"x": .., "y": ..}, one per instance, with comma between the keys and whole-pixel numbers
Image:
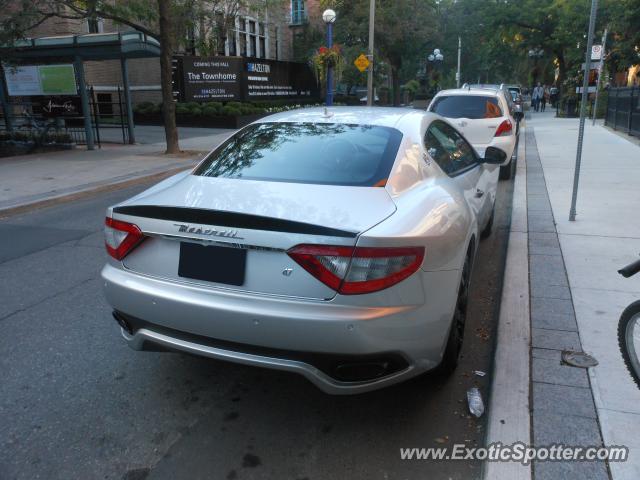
[{"x": 629, "y": 339}]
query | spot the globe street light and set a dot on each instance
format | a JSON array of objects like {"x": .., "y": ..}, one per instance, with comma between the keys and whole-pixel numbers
[
  {"x": 436, "y": 58},
  {"x": 535, "y": 54},
  {"x": 329, "y": 17}
]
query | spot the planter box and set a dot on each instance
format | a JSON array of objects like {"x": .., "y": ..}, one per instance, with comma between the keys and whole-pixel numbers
[{"x": 201, "y": 121}]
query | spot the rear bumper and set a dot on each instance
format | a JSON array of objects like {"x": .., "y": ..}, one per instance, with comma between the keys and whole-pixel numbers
[{"x": 314, "y": 338}]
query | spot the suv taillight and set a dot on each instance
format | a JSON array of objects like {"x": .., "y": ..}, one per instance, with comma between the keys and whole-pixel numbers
[
  {"x": 352, "y": 271},
  {"x": 121, "y": 237},
  {"x": 505, "y": 128}
]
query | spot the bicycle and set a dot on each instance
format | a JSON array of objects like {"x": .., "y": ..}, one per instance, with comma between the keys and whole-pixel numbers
[{"x": 629, "y": 329}]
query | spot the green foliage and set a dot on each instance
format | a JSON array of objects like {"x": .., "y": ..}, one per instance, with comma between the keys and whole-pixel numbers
[
  {"x": 208, "y": 111},
  {"x": 229, "y": 110}
]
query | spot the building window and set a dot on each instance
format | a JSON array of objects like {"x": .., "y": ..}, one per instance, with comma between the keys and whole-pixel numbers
[
  {"x": 95, "y": 25},
  {"x": 190, "y": 46},
  {"x": 298, "y": 12},
  {"x": 252, "y": 38}
]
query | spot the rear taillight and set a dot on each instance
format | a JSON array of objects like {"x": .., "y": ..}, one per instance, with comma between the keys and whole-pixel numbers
[
  {"x": 352, "y": 271},
  {"x": 121, "y": 237},
  {"x": 505, "y": 128}
]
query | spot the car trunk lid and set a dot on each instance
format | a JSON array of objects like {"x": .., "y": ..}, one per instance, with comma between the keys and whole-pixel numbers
[{"x": 197, "y": 227}]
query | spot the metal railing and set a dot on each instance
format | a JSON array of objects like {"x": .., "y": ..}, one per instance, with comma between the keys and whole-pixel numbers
[
  {"x": 623, "y": 110},
  {"x": 104, "y": 115}
]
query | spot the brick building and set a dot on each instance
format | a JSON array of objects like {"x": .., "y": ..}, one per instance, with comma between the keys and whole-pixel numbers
[{"x": 261, "y": 33}]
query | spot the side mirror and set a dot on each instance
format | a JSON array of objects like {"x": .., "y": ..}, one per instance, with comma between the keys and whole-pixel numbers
[{"x": 494, "y": 156}]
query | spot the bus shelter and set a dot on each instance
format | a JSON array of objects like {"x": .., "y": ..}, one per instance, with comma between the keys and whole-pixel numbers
[{"x": 76, "y": 49}]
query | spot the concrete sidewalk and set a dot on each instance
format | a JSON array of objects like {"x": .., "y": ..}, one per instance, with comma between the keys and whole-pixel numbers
[
  {"x": 581, "y": 309},
  {"x": 38, "y": 179}
]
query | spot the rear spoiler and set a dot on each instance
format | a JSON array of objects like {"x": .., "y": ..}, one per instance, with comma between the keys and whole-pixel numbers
[{"x": 201, "y": 216}]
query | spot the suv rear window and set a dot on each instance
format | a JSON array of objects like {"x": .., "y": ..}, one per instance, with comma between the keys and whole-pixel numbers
[
  {"x": 319, "y": 153},
  {"x": 467, "y": 106}
]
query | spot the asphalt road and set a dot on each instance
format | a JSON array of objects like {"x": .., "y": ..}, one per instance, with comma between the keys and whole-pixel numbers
[{"x": 77, "y": 403}]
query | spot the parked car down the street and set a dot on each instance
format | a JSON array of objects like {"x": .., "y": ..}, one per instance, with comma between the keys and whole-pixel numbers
[
  {"x": 485, "y": 117},
  {"x": 335, "y": 243}
]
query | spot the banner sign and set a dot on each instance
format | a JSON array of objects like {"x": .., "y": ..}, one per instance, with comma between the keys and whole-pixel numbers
[
  {"x": 33, "y": 80},
  {"x": 273, "y": 79},
  {"x": 203, "y": 79},
  {"x": 207, "y": 79}
]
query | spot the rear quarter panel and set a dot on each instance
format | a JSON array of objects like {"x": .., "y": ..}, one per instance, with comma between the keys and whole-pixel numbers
[{"x": 433, "y": 214}]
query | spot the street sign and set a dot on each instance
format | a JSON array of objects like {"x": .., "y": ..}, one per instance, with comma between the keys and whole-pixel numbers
[
  {"x": 596, "y": 52},
  {"x": 590, "y": 89},
  {"x": 592, "y": 66},
  {"x": 362, "y": 62}
]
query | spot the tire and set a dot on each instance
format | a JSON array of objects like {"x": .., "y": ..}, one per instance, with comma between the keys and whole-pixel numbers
[
  {"x": 632, "y": 312},
  {"x": 456, "y": 333},
  {"x": 506, "y": 172},
  {"x": 486, "y": 232}
]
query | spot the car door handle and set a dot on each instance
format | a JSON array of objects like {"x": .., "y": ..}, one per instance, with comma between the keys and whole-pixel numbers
[{"x": 479, "y": 193}]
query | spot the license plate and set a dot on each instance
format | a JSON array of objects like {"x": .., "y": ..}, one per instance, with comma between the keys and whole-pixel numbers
[{"x": 212, "y": 263}]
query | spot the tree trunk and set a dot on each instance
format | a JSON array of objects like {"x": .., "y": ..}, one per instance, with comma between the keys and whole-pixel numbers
[
  {"x": 395, "y": 82},
  {"x": 166, "y": 53}
]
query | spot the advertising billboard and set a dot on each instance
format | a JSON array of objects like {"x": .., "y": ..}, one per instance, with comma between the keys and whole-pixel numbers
[
  {"x": 33, "y": 80},
  {"x": 203, "y": 79},
  {"x": 211, "y": 78},
  {"x": 273, "y": 79}
]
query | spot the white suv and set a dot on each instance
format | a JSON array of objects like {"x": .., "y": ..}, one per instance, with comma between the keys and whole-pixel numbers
[{"x": 484, "y": 116}]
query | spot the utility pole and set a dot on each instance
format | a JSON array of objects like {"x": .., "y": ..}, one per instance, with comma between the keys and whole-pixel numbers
[
  {"x": 372, "y": 14},
  {"x": 458, "y": 72},
  {"x": 600, "y": 67},
  {"x": 583, "y": 109}
]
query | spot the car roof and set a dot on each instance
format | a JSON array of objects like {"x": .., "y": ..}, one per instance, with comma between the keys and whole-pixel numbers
[
  {"x": 470, "y": 91},
  {"x": 382, "y": 116}
]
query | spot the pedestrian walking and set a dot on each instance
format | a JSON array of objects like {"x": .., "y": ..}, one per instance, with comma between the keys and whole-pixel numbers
[
  {"x": 536, "y": 97},
  {"x": 545, "y": 98},
  {"x": 553, "y": 96}
]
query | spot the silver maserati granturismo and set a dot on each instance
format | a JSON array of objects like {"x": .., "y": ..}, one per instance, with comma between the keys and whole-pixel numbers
[{"x": 336, "y": 243}]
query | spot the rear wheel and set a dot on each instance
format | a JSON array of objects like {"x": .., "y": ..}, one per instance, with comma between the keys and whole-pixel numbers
[
  {"x": 456, "y": 334},
  {"x": 486, "y": 232},
  {"x": 628, "y": 327}
]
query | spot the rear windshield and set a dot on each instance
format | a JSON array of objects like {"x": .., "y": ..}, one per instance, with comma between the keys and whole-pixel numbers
[
  {"x": 320, "y": 153},
  {"x": 467, "y": 106}
]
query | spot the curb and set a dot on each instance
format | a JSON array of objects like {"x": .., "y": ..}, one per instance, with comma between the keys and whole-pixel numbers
[
  {"x": 81, "y": 193},
  {"x": 509, "y": 419}
]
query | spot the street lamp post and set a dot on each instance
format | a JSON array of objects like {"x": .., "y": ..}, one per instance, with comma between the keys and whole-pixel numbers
[
  {"x": 535, "y": 54},
  {"x": 458, "y": 70},
  {"x": 329, "y": 17},
  {"x": 436, "y": 58}
]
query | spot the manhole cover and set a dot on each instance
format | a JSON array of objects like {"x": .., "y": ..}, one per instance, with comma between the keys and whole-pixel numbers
[{"x": 578, "y": 359}]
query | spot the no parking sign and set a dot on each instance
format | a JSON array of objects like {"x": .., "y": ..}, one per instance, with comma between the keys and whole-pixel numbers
[{"x": 596, "y": 52}]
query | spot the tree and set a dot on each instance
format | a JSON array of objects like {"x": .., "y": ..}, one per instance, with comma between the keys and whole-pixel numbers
[
  {"x": 167, "y": 40},
  {"x": 624, "y": 35},
  {"x": 403, "y": 30}
]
